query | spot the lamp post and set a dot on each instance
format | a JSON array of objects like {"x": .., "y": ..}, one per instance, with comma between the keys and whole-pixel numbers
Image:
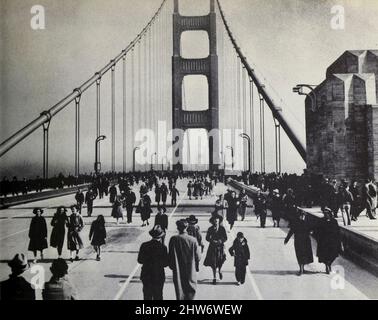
[
  {"x": 152, "y": 156},
  {"x": 248, "y": 138},
  {"x": 135, "y": 149},
  {"x": 97, "y": 165},
  {"x": 162, "y": 162},
  {"x": 224, "y": 159},
  {"x": 299, "y": 89},
  {"x": 232, "y": 156}
]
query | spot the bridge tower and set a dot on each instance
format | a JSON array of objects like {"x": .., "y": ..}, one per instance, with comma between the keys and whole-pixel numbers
[{"x": 207, "y": 119}]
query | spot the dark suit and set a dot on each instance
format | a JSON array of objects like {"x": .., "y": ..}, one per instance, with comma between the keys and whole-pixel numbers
[
  {"x": 16, "y": 288},
  {"x": 153, "y": 256}
]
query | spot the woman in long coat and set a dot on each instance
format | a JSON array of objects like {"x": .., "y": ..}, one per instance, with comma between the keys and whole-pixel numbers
[
  {"x": 232, "y": 209},
  {"x": 59, "y": 223},
  {"x": 75, "y": 225},
  {"x": 164, "y": 193},
  {"x": 37, "y": 233},
  {"x": 117, "y": 212},
  {"x": 302, "y": 241},
  {"x": 190, "y": 190},
  {"x": 215, "y": 256},
  {"x": 276, "y": 207},
  {"x": 328, "y": 239},
  {"x": 98, "y": 235},
  {"x": 144, "y": 208},
  {"x": 157, "y": 194}
]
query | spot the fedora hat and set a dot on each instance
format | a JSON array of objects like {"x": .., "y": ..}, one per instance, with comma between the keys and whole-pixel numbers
[
  {"x": 157, "y": 232},
  {"x": 19, "y": 263},
  {"x": 192, "y": 219},
  {"x": 162, "y": 208},
  {"x": 216, "y": 216}
]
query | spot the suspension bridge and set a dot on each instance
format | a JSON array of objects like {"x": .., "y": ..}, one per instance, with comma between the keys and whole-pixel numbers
[{"x": 151, "y": 128}]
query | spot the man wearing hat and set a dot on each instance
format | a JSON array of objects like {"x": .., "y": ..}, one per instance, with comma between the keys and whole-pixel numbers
[
  {"x": 184, "y": 258},
  {"x": 194, "y": 230},
  {"x": 59, "y": 286},
  {"x": 16, "y": 287},
  {"x": 161, "y": 219},
  {"x": 153, "y": 256},
  {"x": 276, "y": 207}
]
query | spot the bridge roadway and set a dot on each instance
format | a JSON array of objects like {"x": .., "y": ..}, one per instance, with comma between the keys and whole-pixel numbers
[{"x": 272, "y": 272}]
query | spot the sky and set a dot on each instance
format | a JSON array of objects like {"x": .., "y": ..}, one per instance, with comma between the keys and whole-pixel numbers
[{"x": 288, "y": 41}]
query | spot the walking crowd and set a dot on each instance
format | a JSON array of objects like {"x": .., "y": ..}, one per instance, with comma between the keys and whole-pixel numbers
[{"x": 184, "y": 252}]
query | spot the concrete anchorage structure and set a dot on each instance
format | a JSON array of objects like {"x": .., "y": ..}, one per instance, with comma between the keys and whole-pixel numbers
[
  {"x": 342, "y": 130},
  {"x": 206, "y": 119}
]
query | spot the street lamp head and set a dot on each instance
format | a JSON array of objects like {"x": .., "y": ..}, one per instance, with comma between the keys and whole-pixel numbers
[{"x": 99, "y": 138}]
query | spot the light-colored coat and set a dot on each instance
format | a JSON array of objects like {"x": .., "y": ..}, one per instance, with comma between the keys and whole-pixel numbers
[{"x": 184, "y": 257}]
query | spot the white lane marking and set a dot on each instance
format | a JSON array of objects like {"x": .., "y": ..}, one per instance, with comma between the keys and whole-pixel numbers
[
  {"x": 249, "y": 273},
  {"x": 136, "y": 268},
  {"x": 13, "y": 234}
]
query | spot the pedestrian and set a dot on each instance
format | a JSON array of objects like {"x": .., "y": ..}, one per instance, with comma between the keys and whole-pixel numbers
[
  {"x": 164, "y": 193},
  {"x": 16, "y": 287},
  {"x": 215, "y": 257},
  {"x": 243, "y": 202},
  {"x": 59, "y": 287},
  {"x": 290, "y": 204},
  {"x": 157, "y": 194},
  {"x": 129, "y": 202},
  {"x": 302, "y": 241},
  {"x": 328, "y": 239},
  {"x": 219, "y": 205},
  {"x": 117, "y": 212},
  {"x": 232, "y": 209},
  {"x": 190, "y": 189},
  {"x": 174, "y": 193},
  {"x": 356, "y": 203},
  {"x": 369, "y": 198},
  {"x": 345, "y": 199},
  {"x": 260, "y": 208},
  {"x": 89, "y": 198},
  {"x": 276, "y": 207},
  {"x": 75, "y": 225},
  {"x": 240, "y": 252},
  {"x": 195, "y": 231},
  {"x": 59, "y": 223},
  {"x": 112, "y": 193},
  {"x": 184, "y": 258},
  {"x": 144, "y": 208},
  {"x": 37, "y": 233},
  {"x": 153, "y": 256},
  {"x": 97, "y": 235},
  {"x": 161, "y": 219},
  {"x": 79, "y": 197}
]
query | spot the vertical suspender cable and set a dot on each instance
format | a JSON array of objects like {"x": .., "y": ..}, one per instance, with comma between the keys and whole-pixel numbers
[
  {"x": 124, "y": 113},
  {"x": 113, "y": 115},
  {"x": 252, "y": 123},
  {"x": 98, "y": 127}
]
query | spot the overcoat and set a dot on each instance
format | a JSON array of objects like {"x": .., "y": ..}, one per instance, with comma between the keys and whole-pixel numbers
[
  {"x": 75, "y": 225},
  {"x": 184, "y": 257},
  {"x": 37, "y": 234},
  {"x": 329, "y": 240},
  {"x": 302, "y": 241},
  {"x": 153, "y": 256},
  {"x": 240, "y": 251},
  {"x": 97, "y": 234},
  {"x": 59, "y": 223},
  {"x": 215, "y": 256}
]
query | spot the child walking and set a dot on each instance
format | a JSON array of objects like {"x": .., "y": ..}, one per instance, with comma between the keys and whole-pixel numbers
[
  {"x": 240, "y": 251},
  {"x": 98, "y": 235}
]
